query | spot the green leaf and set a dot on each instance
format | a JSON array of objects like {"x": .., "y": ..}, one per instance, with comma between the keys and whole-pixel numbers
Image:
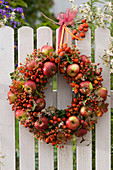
[
  {"x": 21, "y": 3},
  {"x": 99, "y": 1},
  {"x": 68, "y": 59},
  {"x": 51, "y": 50},
  {"x": 11, "y": 74},
  {"x": 13, "y": 4}
]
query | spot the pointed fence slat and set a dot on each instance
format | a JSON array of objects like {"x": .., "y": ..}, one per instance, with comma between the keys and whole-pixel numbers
[
  {"x": 46, "y": 153},
  {"x": 64, "y": 98},
  {"x": 26, "y": 139},
  {"x": 7, "y": 117},
  {"x": 84, "y": 149},
  {"x": 103, "y": 140}
]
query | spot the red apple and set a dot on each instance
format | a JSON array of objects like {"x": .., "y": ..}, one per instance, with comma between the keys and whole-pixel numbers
[
  {"x": 31, "y": 64},
  {"x": 86, "y": 111},
  {"x": 20, "y": 113},
  {"x": 11, "y": 97},
  {"x": 84, "y": 59},
  {"x": 72, "y": 122},
  {"x": 46, "y": 48},
  {"x": 49, "y": 69},
  {"x": 29, "y": 86},
  {"x": 41, "y": 123},
  {"x": 81, "y": 132},
  {"x": 73, "y": 69},
  {"x": 40, "y": 102},
  {"x": 86, "y": 87},
  {"x": 102, "y": 93}
]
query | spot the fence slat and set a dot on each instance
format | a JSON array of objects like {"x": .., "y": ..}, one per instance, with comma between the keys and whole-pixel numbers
[
  {"x": 103, "y": 140},
  {"x": 26, "y": 139},
  {"x": 84, "y": 149},
  {"x": 7, "y": 118},
  {"x": 46, "y": 154},
  {"x": 64, "y": 98}
]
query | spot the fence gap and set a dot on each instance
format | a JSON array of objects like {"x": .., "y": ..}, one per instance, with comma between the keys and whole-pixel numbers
[
  {"x": 93, "y": 148},
  {"x": 36, "y": 155},
  {"x": 17, "y": 144}
]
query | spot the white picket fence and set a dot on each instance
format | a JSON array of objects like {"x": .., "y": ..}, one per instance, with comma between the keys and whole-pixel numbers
[{"x": 60, "y": 98}]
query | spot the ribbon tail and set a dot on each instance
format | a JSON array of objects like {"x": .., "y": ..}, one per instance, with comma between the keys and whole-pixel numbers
[{"x": 60, "y": 35}]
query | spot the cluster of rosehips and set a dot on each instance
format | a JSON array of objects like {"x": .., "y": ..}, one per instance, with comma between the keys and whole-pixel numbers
[
  {"x": 82, "y": 29},
  {"x": 27, "y": 96}
]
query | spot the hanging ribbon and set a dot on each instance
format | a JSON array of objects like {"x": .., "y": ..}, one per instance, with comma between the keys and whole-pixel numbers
[{"x": 66, "y": 19}]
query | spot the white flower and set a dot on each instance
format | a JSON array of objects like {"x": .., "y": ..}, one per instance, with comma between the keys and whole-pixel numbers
[
  {"x": 111, "y": 70},
  {"x": 88, "y": 18},
  {"x": 111, "y": 61},
  {"x": 98, "y": 9},
  {"x": 81, "y": 11},
  {"x": 102, "y": 15},
  {"x": 80, "y": 6},
  {"x": 71, "y": 1},
  {"x": 5, "y": 20},
  {"x": 91, "y": 13},
  {"x": 109, "y": 4},
  {"x": 111, "y": 38},
  {"x": 109, "y": 18},
  {"x": 85, "y": 11},
  {"x": 83, "y": 16},
  {"x": 74, "y": 7},
  {"x": 1, "y": 23},
  {"x": 12, "y": 18},
  {"x": 13, "y": 13},
  {"x": 109, "y": 52},
  {"x": 86, "y": 5},
  {"x": 101, "y": 20}
]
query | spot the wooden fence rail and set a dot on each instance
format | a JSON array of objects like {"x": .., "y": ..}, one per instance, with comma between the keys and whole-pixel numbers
[{"x": 60, "y": 98}]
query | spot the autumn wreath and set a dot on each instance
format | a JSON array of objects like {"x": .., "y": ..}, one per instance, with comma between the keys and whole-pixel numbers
[{"x": 27, "y": 94}]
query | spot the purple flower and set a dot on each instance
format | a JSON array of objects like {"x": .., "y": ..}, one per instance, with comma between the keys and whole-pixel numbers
[
  {"x": 14, "y": 26},
  {"x": 8, "y": 7},
  {"x": 6, "y": 2},
  {"x": 20, "y": 10},
  {"x": 1, "y": 2},
  {"x": 19, "y": 23},
  {"x": 22, "y": 15}
]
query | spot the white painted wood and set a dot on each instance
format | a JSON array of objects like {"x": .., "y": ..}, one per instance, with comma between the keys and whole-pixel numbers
[
  {"x": 7, "y": 117},
  {"x": 103, "y": 140},
  {"x": 64, "y": 98},
  {"x": 84, "y": 150},
  {"x": 46, "y": 154},
  {"x": 111, "y": 98},
  {"x": 26, "y": 139}
]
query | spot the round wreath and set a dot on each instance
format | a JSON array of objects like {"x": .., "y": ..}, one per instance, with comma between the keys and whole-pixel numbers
[{"x": 27, "y": 94}]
